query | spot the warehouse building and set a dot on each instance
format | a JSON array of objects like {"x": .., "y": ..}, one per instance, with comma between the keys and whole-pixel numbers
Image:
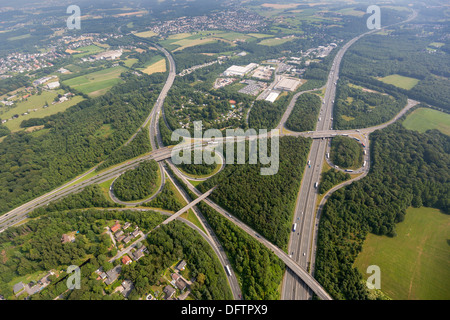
[
  {"x": 239, "y": 70},
  {"x": 288, "y": 84}
]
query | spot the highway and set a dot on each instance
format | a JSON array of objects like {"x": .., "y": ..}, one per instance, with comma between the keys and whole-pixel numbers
[{"x": 301, "y": 242}]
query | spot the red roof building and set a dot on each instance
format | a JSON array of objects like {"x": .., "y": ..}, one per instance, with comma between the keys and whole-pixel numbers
[
  {"x": 126, "y": 260},
  {"x": 115, "y": 227}
]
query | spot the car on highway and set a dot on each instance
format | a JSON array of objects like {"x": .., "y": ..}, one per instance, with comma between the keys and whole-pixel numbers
[{"x": 304, "y": 253}]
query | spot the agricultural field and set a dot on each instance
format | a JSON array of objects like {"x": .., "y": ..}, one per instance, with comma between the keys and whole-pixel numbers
[
  {"x": 352, "y": 12},
  {"x": 436, "y": 44},
  {"x": 414, "y": 265},
  {"x": 406, "y": 83},
  {"x": 146, "y": 34},
  {"x": 37, "y": 102},
  {"x": 96, "y": 83},
  {"x": 156, "y": 64},
  {"x": 275, "y": 41},
  {"x": 260, "y": 35},
  {"x": 424, "y": 119}
]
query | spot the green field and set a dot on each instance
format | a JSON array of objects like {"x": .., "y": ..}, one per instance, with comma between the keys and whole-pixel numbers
[
  {"x": 24, "y": 36},
  {"x": 37, "y": 102},
  {"x": 406, "y": 83},
  {"x": 86, "y": 51},
  {"x": 424, "y": 119},
  {"x": 180, "y": 41},
  {"x": 96, "y": 83},
  {"x": 415, "y": 264},
  {"x": 129, "y": 62}
]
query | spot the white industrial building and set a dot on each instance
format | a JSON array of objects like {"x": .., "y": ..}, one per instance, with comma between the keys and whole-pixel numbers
[
  {"x": 108, "y": 55},
  {"x": 272, "y": 96},
  {"x": 53, "y": 85},
  {"x": 239, "y": 70}
]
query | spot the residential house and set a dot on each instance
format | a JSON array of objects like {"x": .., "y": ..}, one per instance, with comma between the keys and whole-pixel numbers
[
  {"x": 113, "y": 274},
  {"x": 169, "y": 291},
  {"x": 127, "y": 287},
  {"x": 135, "y": 233},
  {"x": 137, "y": 255},
  {"x": 126, "y": 260},
  {"x": 66, "y": 238},
  {"x": 175, "y": 276},
  {"x": 115, "y": 227},
  {"x": 18, "y": 287},
  {"x": 181, "y": 265},
  {"x": 118, "y": 234},
  {"x": 181, "y": 284},
  {"x": 127, "y": 239}
]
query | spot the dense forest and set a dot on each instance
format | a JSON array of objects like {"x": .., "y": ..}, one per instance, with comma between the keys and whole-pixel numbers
[
  {"x": 331, "y": 178},
  {"x": 304, "y": 114},
  {"x": 4, "y": 131},
  {"x": 409, "y": 169},
  {"x": 73, "y": 141},
  {"x": 166, "y": 246},
  {"x": 264, "y": 202},
  {"x": 166, "y": 199},
  {"x": 202, "y": 169},
  {"x": 259, "y": 271},
  {"x": 346, "y": 152},
  {"x": 356, "y": 108},
  {"x": 405, "y": 53},
  {"x": 166, "y": 133},
  {"x": 139, "y": 145},
  {"x": 13, "y": 83},
  {"x": 267, "y": 115},
  {"x": 139, "y": 183}
]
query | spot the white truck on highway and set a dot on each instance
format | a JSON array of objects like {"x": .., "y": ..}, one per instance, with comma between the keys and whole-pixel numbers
[
  {"x": 294, "y": 227},
  {"x": 228, "y": 270}
]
